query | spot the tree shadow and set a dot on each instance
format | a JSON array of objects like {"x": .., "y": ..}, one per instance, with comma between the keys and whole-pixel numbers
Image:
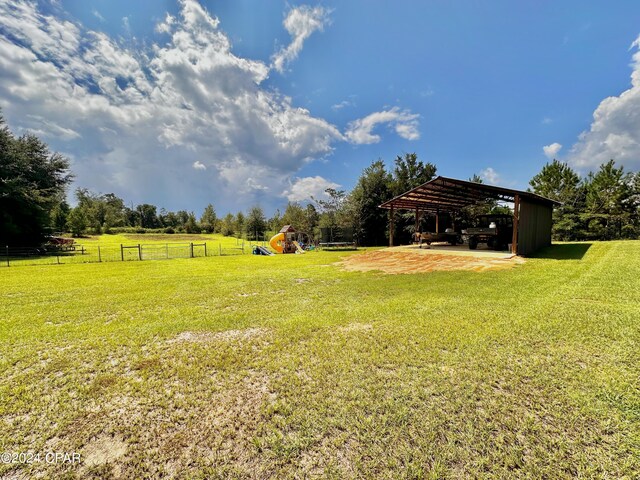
[{"x": 563, "y": 251}]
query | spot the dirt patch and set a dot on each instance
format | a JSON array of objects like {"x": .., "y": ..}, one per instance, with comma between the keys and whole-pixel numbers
[
  {"x": 356, "y": 327},
  {"x": 227, "y": 335},
  {"x": 102, "y": 450},
  {"x": 410, "y": 262}
]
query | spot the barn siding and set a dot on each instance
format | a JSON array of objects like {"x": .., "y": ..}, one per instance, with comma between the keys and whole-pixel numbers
[{"x": 534, "y": 227}]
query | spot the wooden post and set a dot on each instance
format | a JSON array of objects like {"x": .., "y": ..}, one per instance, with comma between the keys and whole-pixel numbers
[
  {"x": 191, "y": 249},
  {"x": 99, "y": 255},
  {"x": 391, "y": 228},
  {"x": 166, "y": 249},
  {"x": 121, "y": 252},
  {"x": 516, "y": 219},
  {"x": 220, "y": 248},
  {"x": 139, "y": 252},
  {"x": 415, "y": 230},
  {"x": 437, "y": 220},
  {"x": 205, "y": 249},
  {"x": 82, "y": 250}
]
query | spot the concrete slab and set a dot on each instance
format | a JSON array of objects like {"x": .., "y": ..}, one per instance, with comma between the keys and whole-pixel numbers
[{"x": 457, "y": 250}]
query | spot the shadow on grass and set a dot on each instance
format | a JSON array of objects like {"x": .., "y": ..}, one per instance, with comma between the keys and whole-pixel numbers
[{"x": 563, "y": 251}]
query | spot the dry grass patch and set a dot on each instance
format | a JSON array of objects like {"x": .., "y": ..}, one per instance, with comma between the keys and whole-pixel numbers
[{"x": 225, "y": 336}]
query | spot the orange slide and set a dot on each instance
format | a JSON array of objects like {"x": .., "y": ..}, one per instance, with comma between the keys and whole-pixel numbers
[{"x": 276, "y": 242}]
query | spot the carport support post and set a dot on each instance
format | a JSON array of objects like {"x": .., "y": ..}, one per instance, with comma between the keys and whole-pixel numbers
[
  {"x": 391, "y": 228},
  {"x": 437, "y": 220},
  {"x": 417, "y": 223},
  {"x": 516, "y": 217}
]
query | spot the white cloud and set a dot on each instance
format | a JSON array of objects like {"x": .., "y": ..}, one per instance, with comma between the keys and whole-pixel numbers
[
  {"x": 165, "y": 26},
  {"x": 145, "y": 118},
  {"x": 341, "y": 105},
  {"x": 301, "y": 22},
  {"x": 307, "y": 188},
  {"x": 404, "y": 122},
  {"x": 551, "y": 150},
  {"x": 615, "y": 130},
  {"x": 138, "y": 122},
  {"x": 98, "y": 15},
  {"x": 126, "y": 25},
  {"x": 490, "y": 176}
]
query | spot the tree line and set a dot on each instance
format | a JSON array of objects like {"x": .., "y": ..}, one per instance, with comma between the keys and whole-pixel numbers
[{"x": 603, "y": 205}]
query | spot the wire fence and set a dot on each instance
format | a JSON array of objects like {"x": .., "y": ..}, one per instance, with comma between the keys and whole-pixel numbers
[{"x": 18, "y": 256}]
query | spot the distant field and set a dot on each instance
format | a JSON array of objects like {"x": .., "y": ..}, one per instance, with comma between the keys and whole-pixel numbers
[
  {"x": 133, "y": 238},
  {"x": 107, "y": 248},
  {"x": 288, "y": 366}
]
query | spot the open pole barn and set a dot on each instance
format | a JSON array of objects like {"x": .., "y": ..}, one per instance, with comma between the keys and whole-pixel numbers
[{"x": 532, "y": 214}]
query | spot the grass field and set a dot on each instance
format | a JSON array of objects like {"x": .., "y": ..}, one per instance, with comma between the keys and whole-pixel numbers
[
  {"x": 107, "y": 248},
  {"x": 288, "y": 366}
]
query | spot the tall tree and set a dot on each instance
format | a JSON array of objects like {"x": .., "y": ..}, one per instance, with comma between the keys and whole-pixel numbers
[
  {"x": 275, "y": 222},
  {"x": 240, "y": 224},
  {"x": 77, "y": 221},
  {"x": 59, "y": 216},
  {"x": 228, "y": 225},
  {"x": 256, "y": 223},
  {"x": 372, "y": 189},
  {"x": 32, "y": 182},
  {"x": 409, "y": 172},
  {"x": 311, "y": 218},
  {"x": 208, "y": 219},
  {"x": 294, "y": 215},
  {"x": 192, "y": 226},
  {"x": 609, "y": 202},
  {"x": 148, "y": 215},
  {"x": 559, "y": 182}
]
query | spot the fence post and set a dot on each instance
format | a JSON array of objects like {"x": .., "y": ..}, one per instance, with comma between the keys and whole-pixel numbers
[
  {"x": 191, "y": 249},
  {"x": 82, "y": 250},
  {"x": 205, "y": 249},
  {"x": 166, "y": 246},
  {"x": 139, "y": 252},
  {"x": 121, "y": 252},
  {"x": 220, "y": 248},
  {"x": 8, "y": 256},
  {"x": 58, "y": 258},
  {"x": 99, "y": 255}
]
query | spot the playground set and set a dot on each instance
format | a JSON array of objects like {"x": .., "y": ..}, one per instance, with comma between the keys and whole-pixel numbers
[{"x": 287, "y": 240}]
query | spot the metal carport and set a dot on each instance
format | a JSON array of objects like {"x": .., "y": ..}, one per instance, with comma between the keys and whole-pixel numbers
[{"x": 532, "y": 214}]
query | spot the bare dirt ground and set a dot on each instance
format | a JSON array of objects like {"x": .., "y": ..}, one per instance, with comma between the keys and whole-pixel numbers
[{"x": 416, "y": 261}]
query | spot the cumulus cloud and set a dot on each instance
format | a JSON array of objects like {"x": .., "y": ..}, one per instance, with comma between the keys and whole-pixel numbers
[
  {"x": 551, "y": 150},
  {"x": 139, "y": 122},
  {"x": 490, "y": 176},
  {"x": 403, "y": 122},
  {"x": 144, "y": 119},
  {"x": 307, "y": 188},
  {"x": 300, "y": 22},
  {"x": 615, "y": 130}
]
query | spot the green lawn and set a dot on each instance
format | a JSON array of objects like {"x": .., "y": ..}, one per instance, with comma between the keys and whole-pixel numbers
[
  {"x": 287, "y": 366},
  {"x": 107, "y": 248}
]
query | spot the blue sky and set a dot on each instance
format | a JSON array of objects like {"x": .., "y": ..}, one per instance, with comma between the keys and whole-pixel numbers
[{"x": 241, "y": 102}]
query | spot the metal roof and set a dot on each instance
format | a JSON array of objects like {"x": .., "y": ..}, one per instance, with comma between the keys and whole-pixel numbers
[{"x": 444, "y": 194}]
